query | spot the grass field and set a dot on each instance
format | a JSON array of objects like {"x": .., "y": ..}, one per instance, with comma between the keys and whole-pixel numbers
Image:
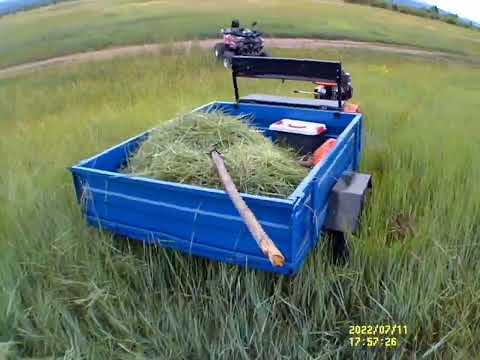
[
  {"x": 86, "y": 25},
  {"x": 68, "y": 290}
]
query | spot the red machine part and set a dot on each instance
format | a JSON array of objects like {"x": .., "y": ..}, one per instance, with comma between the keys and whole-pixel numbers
[
  {"x": 323, "y": 151},
  {"x": 352, "y": 108},
  {"x": 325, "y": 83},
  {"x": 229, "y": 41}
]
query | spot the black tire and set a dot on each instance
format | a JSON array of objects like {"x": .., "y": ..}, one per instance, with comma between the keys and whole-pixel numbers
[
  {"x": 227, "y": 59},
  {"x": 219, "y": 50},
  {"x": 339, "y": 247}
]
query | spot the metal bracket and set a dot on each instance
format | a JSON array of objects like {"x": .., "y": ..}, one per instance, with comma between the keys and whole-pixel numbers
[
  {"x": 286, "y": 69},
  {"x": 346, "y": 202},
  {"x": 235, "y": 87}
]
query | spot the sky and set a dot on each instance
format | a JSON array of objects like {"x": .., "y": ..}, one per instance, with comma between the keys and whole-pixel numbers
[{"x": 469, "y": 9}]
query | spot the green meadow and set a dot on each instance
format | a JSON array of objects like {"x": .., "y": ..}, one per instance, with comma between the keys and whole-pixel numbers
[
  {"x": 83, "y": 25},
  {"x": 69, "y": 291}
]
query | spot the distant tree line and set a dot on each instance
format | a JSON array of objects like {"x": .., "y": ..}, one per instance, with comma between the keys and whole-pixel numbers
[{"x": 431, "y": 13}]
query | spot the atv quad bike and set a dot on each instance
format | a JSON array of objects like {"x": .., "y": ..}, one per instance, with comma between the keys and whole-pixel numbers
[{"x": 239, "y": 41}]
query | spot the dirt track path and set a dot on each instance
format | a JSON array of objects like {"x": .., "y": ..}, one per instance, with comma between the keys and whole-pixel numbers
[{"x": 281, "y": 43}]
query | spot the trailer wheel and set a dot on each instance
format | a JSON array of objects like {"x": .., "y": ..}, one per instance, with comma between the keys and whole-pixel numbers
[
  {"x": 219, "y": 50},
  {"x": 339, "y": 247},
  {"x": 227, "y": 59}
]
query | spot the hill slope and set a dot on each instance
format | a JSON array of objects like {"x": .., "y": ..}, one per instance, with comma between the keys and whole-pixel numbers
[{"x": 85, "y": 25}]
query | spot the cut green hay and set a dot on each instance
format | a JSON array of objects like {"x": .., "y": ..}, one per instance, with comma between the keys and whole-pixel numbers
[{"x": 179, "y": 151}]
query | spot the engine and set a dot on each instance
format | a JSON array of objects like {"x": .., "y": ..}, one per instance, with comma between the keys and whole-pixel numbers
[{"x": 329, "y": 91}]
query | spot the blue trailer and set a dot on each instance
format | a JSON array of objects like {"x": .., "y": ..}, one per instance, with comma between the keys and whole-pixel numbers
[{"x": 203, "y": 221}]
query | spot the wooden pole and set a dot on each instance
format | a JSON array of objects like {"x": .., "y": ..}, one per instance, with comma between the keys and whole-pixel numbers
[{"x": 263, "y": 240}]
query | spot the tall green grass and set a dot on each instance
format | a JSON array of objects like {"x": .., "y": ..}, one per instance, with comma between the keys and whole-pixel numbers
[
  {"x": 88, "y": 25},
  {"x": 68, "y": 290}
]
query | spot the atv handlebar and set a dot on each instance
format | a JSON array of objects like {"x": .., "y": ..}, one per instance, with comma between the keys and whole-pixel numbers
[{"x": 243, "y": 33}]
